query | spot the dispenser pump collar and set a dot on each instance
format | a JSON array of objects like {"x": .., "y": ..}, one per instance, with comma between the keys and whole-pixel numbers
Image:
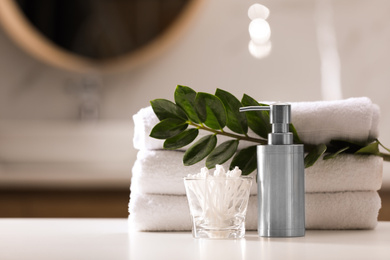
[{"x": 280, "y": 119}]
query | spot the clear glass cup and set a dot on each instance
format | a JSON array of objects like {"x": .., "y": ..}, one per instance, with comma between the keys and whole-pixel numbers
[{"x": 218, "y": 206}]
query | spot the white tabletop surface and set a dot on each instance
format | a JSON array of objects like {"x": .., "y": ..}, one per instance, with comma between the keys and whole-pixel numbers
[{"x": 110, "y": 239}]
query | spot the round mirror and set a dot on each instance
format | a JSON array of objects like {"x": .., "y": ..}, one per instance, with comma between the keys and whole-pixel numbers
[{"x": 94, "y": 35}]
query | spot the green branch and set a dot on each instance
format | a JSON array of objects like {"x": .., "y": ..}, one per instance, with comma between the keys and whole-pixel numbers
[
  {"x": 214, "y": 113},
  {"x": 235, "y": 136}
]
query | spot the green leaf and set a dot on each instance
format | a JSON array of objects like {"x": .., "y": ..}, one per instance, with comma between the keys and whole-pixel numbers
[
  {"x": 222, "y": 153},
  {"x": 168, "y": 128},
  {"x": 258, "y": 121},
  {"x": 236, "y": 121},
  {"x": 314, "y": 154},
  {"x": 200, "y": 150},
  {"x": 185, "y": 98},
  {"x": 184, "y": 138},
  {"x": 333, "y": 155},
  {"x": 166, "y": 109},
  {"x": 387, "y": 149},
  {"x": 246, "y": 160},
  {"x": 372, "y": 148},
  {"x": 210, "y": 110},
  {"x": 339, "y": 144},
  {"x": 296, "y": 138}
]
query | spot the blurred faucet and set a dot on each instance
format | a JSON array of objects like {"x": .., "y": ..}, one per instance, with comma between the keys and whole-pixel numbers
[{"x": 87, "y": 91}]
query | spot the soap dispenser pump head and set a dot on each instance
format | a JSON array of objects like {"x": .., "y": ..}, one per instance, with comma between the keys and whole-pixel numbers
[{"x": 280, "y": 119}]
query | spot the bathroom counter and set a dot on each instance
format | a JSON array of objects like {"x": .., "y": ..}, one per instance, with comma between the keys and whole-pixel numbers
[
  {"x": 66, "y": 154},
  {"x": 110, "y": 239}
]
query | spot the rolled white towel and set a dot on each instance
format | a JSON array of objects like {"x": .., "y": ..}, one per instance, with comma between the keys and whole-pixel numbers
[
  {"x": 341, "y": 210},
  {"x": 316, "y": 122},
  {"x": 162, "y": 172},
  {"x": 353, "y": 119}
]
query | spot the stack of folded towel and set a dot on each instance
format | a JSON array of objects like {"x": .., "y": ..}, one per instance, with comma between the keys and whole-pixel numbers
[{"x": 341, "y": 193}]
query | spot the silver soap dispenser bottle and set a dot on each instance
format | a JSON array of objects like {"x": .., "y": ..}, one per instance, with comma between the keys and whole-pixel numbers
[{"x": 280, "y": 177}]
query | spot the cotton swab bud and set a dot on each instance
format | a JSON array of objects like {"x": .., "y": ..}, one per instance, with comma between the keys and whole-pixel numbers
[
  {"x": 204, "y": 172},
  {"x": 219, "y": 171},
  {"x": 258, "y": 11},
  {"x": 236, "y": 172}
]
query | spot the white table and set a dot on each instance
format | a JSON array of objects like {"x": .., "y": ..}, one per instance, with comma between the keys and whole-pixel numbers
[{"x": 110, "y": 239}]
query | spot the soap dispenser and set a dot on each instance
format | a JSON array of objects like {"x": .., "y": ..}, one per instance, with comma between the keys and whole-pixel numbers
[{"x": 280, "y": 177}]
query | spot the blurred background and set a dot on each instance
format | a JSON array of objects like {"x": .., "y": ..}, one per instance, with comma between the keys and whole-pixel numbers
[{"x": 73, "y": 73}]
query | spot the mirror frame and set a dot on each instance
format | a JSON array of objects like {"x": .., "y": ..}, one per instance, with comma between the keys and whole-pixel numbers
[{"x": 28, "y": 38}]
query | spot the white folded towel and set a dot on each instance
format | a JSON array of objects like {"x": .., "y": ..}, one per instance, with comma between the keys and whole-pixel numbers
[
  {"x": 316, "y": 122},
  {"x": 342, "y": 210},
  {"x": 162, "y": 172},
  {"x": 353, "y": 119}
]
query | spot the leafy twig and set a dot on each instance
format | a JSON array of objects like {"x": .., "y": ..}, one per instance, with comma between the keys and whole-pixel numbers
[
  {"x": 181, "y": 121},
  {"x": 231, "y": 135}
]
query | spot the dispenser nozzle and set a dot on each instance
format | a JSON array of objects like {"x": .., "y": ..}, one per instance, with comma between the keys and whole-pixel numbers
[
  {"x": 280, "y": 118},
  {"x": 255, "y": 108}
]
